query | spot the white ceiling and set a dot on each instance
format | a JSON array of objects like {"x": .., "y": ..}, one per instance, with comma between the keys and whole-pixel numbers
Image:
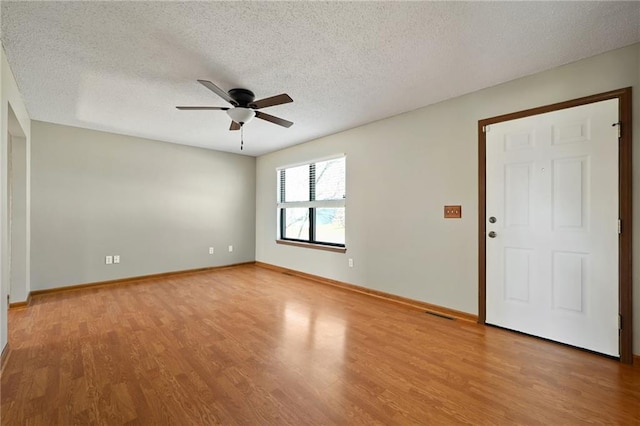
[{"x": 124, "y": 66}]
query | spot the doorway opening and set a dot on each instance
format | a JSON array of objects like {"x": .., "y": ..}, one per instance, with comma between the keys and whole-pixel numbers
[{"x": 17, "y": 211}]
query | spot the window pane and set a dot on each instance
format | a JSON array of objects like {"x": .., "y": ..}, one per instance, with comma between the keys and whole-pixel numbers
[
  {"x": 330, "y": 225},
  {"x": 296, "y": 223},
  {"x": 330, "y": 179},
  {"x": 296, "y": 187}
]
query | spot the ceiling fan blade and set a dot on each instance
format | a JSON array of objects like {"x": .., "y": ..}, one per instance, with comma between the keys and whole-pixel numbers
[
  {"x": 189, "y": 108},
  {"x": 272, "y": 101},
  {"x": 218, "y": 91},
  {"x": 275, "y": 120},
  {"x": 234, "y": 126}
]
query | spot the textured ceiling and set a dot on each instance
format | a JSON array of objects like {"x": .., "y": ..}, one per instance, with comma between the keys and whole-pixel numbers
[{"x": 123, "y": 66}]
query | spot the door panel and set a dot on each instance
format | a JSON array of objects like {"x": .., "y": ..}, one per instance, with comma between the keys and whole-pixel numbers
[
  {"x": 517, "y": 274},
  {"x": 517, "y": 178},
  {"x": 552, "y": 265},
  {"x": 570, "y": 185}
]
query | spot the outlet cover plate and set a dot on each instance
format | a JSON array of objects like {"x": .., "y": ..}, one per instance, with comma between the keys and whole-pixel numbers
[{"x": 452, "y": 212}]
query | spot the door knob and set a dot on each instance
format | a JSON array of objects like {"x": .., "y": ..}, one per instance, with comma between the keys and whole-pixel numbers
[
  {"x": 492, "y": 234},
  {"x": 492, "y": 219}
]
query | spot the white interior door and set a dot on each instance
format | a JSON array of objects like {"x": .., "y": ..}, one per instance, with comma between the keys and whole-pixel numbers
[{"x": 552, "y": 251}]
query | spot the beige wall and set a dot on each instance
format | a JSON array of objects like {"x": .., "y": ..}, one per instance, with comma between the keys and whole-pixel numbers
[
  {"x": 10, "y": 100},
  {"x": 160, "y": 206},
  {"x": 402, "y": 170}
]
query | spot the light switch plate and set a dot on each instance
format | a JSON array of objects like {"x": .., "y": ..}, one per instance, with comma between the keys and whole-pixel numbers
[{"x": 452, "y": 212}]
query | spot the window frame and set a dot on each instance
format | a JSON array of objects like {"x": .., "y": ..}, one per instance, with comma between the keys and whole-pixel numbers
[{"x": 311, "y": 204}]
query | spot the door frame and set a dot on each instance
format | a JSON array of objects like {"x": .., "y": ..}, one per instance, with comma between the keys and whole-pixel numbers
[{"x": 624, "y": 207}]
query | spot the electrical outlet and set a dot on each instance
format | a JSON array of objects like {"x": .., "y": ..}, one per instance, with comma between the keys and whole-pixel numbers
[
  {"x": 210, "y": 250},
  {"x": 116, "y": 258},
  {"x": 350, "y": 263},
  {"x": 230, "y": 249},
  {"x": 108, "y": 260}
]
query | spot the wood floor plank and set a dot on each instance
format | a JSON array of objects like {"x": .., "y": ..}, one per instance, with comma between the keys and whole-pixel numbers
[{"x": 252, "y": 346}]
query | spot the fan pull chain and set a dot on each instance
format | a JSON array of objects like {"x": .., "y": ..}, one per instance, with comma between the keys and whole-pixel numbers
[{"x": 241, "y": 137}]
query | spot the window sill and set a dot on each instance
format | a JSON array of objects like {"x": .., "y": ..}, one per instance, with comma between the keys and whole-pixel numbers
[{"x": 312, "y": 246}]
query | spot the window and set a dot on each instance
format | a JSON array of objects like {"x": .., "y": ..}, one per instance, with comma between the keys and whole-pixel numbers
[{"x": 311, "y": 203}]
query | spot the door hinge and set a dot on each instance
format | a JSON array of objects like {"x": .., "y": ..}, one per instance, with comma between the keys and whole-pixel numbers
[
  {"x": 619, "y": 124},
  {"x": 619, "y": 227},
  {"x": 619, "y": 321},
  {"x": 485, "y": 129}
]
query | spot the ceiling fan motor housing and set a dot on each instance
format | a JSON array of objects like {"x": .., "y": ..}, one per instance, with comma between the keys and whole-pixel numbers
[{"x": 243, "y": 97}]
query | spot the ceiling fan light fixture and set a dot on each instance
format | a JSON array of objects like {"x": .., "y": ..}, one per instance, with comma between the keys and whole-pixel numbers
[{"x": 241, "y": 115}]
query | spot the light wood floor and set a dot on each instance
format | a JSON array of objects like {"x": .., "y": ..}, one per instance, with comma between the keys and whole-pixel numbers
[{"x": 251, "y": 346}]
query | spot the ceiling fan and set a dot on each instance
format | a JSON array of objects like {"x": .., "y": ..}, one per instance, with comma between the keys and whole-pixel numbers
[{"x": 244, "y": 107}]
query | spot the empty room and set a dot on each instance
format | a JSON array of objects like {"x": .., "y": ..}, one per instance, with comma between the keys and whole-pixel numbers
[{"x": 319, "y": 213}]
